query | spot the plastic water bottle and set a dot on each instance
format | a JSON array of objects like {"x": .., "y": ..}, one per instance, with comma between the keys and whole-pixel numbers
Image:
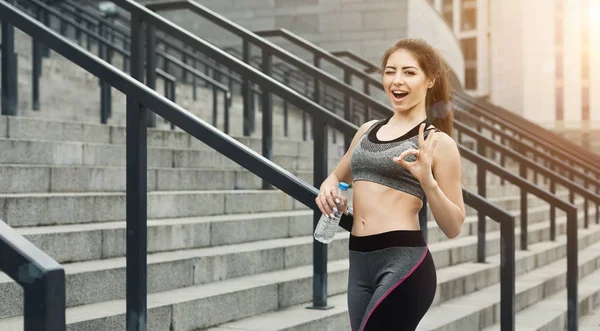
[{"x": 327, "y": 226}]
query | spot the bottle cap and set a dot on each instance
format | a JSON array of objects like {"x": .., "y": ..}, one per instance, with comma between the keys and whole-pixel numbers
[{"x": 343, "y": 186}]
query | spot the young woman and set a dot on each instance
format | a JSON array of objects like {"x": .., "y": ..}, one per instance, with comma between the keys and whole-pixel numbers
[{"x": 393, "y": 164}]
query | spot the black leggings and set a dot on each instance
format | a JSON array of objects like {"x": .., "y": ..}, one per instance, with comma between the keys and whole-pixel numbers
[{"x": 392, "y": 281}]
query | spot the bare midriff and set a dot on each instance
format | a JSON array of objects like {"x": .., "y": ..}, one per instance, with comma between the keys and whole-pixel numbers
[{"x": 378, "y": 208}]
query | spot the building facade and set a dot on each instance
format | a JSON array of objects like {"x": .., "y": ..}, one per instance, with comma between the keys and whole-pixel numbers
[{"x": 533, "y": 57}]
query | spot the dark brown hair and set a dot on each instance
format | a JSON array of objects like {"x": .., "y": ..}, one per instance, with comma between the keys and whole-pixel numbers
[{"x": 438, "y": 99}]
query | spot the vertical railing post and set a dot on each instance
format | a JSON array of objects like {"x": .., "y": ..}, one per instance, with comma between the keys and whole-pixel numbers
[
  {"x": 226, "y": 104},
  {"x": 194, "y": 87},
  {"x": 216, "y": 77},
  {"x": 523, "y": 174},
  {"x": 172, "y": 96},
  {"x": 36, "y": 64},
  {"x": 267, "y": 113},
  {"x": 185, "y": 73},
  {"x": 367, "y": 91},
  {"x": 151, "y": 69},
  {"x": 9, "y": 70},
  {"x": 246, "y": 90},
  {"x": 597, "y": 206},
  {"x": 319, "y": 249},
  {"x": 45, "y": 21},
  {"x": 552, "y": 208},
  {"x": 78, "y": 20},
  {"x": 136, "y": 234},
  {"x": 507, "y": 275},
  {"x": 286, "y": 81},
  {"x": 304, "y": 115},
  {"x": 215, "y": 106},
  {"x": 44, "y": 302},
  {"x": 572, "y": 269},
  {"x": 105, "y": 96},
  {"x": 347, "y": 109},
  {"x": 571, "y": 191},
  {"x": 481, "y": 190},
  {"x": 316, "y": 86}
]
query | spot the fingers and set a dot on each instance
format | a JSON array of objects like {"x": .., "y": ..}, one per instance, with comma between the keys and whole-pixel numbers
[
  {"x": 326, "y": 201},
  {"x": 400, "y": 159},
  {"x": 421, "y": 136}
]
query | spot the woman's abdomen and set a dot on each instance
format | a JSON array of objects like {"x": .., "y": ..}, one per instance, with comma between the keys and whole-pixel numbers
[{"x": 378, "y": 208}]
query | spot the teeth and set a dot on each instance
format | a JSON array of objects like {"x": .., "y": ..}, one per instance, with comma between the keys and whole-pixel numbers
[{"x": 400, "y": 94}]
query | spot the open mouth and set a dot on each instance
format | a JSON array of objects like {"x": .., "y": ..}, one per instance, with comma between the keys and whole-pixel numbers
[{"x": 399, "y": 95}]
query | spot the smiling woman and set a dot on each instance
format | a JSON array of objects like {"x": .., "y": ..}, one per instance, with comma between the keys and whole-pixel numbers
[{"x": 394, "y": 163}]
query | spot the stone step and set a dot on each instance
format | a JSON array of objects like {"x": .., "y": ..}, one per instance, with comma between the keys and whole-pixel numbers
[
  {"x": 551, "y": 312},
  {"x": 26, "y": 178},
  {"x": 484, "y": 276},
  {"x": 79, "y": 208},
  {"x": 27, "y": 128},
  {"x": 84, "y": 242},
  {"x": 74, "y": 153},
  {"x": 590, "y": 322},
  {"x": 99, "y": 136},
  {"x": 26, "y": 209},
  {"x": 226, "y": 300},
  {"x": 479, "y": 308}
]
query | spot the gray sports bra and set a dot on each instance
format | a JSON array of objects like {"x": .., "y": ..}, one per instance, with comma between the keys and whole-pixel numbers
[{"x": 372, "y": 160}]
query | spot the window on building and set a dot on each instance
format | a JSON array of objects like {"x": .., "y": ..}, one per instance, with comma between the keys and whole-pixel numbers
[
  {"x": 468, "y": 15},
  {"x": 448, "y": 11},
  {"x": 471, "y": 78},
  {"x": 469, "y": 48}
]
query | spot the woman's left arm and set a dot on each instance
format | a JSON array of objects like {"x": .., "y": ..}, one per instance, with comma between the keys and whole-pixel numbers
[{"x": 444, "y": 193}]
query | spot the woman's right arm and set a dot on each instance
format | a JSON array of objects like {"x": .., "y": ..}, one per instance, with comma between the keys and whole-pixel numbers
[{"x": 328, "y": 189}]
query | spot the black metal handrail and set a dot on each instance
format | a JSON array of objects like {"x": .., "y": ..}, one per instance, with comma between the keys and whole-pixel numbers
[
  {"x": 272, "y": 50},
  {"x": 42, "y": 280},
  {"x": 553, "y": 166},
  {"x": 90, "y": 17},
  {"x": 125, "y": 33},
  {"x": 184, "y": 63},
  {"x": 141, "y": 97},
  {"x": 568, "y": 146},
  {"x": 107, "y": 45},
  {"x": 548, "y": 140}
]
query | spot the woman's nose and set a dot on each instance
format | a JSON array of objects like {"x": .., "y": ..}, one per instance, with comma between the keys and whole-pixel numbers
[{"x": 398, "y": 80}]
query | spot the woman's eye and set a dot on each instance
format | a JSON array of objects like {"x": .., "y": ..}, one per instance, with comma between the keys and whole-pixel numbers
[{"x": 409, "y": 73}]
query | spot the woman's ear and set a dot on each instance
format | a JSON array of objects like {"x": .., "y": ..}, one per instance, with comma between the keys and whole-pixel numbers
[{"x": 431, "y": 83}]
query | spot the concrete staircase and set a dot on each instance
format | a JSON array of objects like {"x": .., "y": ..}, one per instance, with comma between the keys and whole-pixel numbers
[{"x": 222, "y": 252}]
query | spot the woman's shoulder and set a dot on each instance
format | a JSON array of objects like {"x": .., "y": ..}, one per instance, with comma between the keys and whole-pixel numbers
[
  {"x": 369, "y": 124},
  {"x": 446, "y": 146}
]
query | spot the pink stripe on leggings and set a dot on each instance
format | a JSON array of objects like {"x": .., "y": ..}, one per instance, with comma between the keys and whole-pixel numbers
[{"x": 394, "y": 287}]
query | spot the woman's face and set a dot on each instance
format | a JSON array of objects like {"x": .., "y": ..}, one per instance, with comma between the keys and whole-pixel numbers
[{"x": 404, "y": 81}]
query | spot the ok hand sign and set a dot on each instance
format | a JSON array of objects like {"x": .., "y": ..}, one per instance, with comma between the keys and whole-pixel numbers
[{"x": 421, "y": 168}]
